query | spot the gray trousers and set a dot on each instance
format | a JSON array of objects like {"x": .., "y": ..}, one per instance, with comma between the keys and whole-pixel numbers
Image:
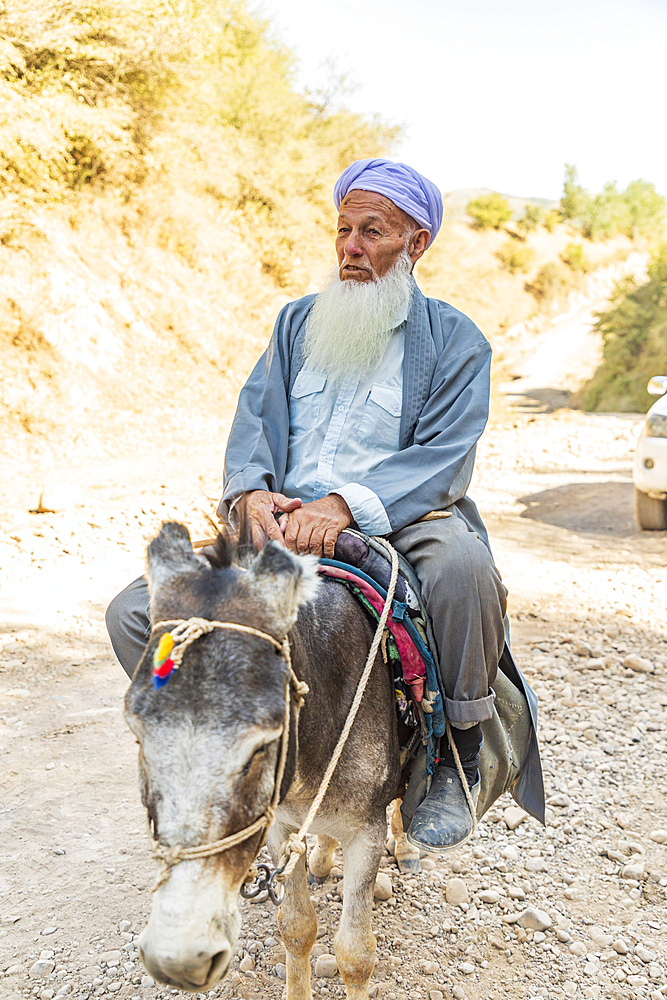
[{"x": 463, "y": 594}]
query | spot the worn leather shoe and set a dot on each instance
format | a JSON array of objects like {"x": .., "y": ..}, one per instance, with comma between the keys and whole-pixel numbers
[{"x": 443, "y": 820}]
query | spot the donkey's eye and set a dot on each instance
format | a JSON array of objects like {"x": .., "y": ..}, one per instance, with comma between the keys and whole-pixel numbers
[{"x": 259, "y": 752}]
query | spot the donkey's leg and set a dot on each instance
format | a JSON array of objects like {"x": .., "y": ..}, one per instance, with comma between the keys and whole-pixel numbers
[
  {"x": 321, "y": 858},
  {"x": 297, "y": 924},
  {"x": 407, "y": 856},
  {"x": 355, "y": 943}
]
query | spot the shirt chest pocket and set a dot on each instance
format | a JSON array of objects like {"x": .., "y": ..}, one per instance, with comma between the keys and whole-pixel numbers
[
  {"x": 305, "y": 401},
  {"x": 381, "y": 418}
]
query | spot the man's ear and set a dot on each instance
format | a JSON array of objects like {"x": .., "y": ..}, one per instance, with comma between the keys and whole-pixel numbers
[{"x": 418, "y": 243}]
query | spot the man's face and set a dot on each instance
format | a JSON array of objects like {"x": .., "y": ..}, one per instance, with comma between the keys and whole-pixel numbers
[{"x": 372, "y": 231}]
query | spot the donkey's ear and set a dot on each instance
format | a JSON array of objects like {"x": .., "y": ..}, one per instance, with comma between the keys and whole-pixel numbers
[
  {"x": 171, "y": 554},
  {"x": 283, "y": 581}
]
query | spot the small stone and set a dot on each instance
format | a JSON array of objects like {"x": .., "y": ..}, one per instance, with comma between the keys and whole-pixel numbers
[
  {"x": 147, "y": 981},
  {"x": 513, "y": 816},
  {"x": 515, "y": 892},
  {"x": 47, "y": 994},
  {"x": 658, "y": 836},
  {"x": 429, "y": 968},
  {"x": 638, "y": 664},
  {"x": 247, "y": 964},
  {"x": 383, "y": 887},
  {"x": 539, "y": 937},
  {"x": 489, "y": 896},
  {"x": 644, "y": 954},
  {"x": 620, "y": 947},
  {"x": 563, "y": 936},
  {"x": 624, "y": 820},
  {"x": 50, "y": 766},
  {"x": 459, "y": 993},
  {"x": 535, "y": 865},
  {"x": 467, "y": 968},
  {"x": 578, "y": 948},
  {"x": 281, "y": 970},
  {"x": 64, "y": 990},
  {"x": 41, "y": 969},
  {"x": 634, "y": 871},
  {"x": 559, "y": 800},
  {"x": 600, "y": 938},
  {"x": 13, "y": 970},
  {"x": 326, "y": 966},
  {"x": 510, "y": 853},
  {"x": 114, "y": 985},
  {"x": 569, "y": 988},
  {"x": 372, "y": 990},
  {"x": 49, "y": 930},
  {"x": 456, "y": 892},
  {"x": 124, "y": 925},
  {"x": 436, "y": 995},
  {"x": 110, "y": 957},
  {"x": 533, "y": 919}
]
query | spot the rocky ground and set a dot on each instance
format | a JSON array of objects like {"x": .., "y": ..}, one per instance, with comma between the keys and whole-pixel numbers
[{"x": 576, "y": 909}]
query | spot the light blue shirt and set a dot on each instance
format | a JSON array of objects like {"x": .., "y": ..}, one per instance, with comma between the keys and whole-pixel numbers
[{"x": 341, "y": 431}]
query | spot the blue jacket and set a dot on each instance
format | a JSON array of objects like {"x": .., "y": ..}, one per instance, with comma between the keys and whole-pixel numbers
[{"x": 446, "y": 382}]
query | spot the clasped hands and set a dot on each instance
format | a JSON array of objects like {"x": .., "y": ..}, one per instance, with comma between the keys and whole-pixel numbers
[{"x": 302, "y": 527}]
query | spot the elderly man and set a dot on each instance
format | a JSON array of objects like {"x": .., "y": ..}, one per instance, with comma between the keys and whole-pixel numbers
[{"x": 365, "y": 410}]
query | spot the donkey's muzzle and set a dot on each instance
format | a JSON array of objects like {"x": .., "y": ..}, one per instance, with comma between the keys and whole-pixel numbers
[{"x": 193, "y": 965}]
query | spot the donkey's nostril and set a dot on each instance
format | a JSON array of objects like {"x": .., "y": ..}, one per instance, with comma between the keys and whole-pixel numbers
[{"x": 219, "y": 965}]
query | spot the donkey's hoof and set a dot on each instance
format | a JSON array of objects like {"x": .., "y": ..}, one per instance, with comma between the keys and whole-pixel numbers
[
  {"x": 316, "y": 879},
  {"x": 409, "y": 866}
]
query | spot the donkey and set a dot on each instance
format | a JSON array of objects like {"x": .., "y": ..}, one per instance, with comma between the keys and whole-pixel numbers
[{"x": 209, "y": 752}]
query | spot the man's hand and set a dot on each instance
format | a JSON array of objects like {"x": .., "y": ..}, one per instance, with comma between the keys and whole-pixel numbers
[
  {"x": 261, "y": 506},
  {"x": 315, "y": 526}
]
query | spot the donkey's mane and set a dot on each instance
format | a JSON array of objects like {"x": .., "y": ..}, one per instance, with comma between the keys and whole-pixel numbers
[{"x": 234, "y": 543}]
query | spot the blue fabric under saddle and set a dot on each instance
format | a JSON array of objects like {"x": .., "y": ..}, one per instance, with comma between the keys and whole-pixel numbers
[{"x": 354, "y": 551}]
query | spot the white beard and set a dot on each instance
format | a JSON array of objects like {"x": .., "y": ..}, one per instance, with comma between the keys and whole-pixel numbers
[{"x": 351, "y": 322}]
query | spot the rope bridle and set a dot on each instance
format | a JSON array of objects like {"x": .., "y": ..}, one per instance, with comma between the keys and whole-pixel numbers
[
  {"x": 188, "y": 631},
  {"x": 185, "y": 633}
]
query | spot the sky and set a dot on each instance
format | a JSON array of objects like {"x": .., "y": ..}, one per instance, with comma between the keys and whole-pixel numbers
[{"x": 499, "y": 94}]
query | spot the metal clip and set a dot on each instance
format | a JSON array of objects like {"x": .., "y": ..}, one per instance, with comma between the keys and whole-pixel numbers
[{"x": 264, "y": 881}]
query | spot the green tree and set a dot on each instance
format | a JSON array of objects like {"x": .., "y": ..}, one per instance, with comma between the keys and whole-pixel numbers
[
  {"x": 516, "y": 257},
  {"x": 531, "y": 218},
  {"x": 634, "y": 330},
  {"x": 489, "y": 211},
  {"x": 574, "y": 201},
  {"x": 646, "y": 210}
]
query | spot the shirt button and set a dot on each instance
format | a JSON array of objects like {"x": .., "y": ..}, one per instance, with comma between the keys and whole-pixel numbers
[{"x": 340, "y": 409}]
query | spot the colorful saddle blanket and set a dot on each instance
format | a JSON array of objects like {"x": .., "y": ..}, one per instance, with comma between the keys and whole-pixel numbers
[{"x": 366, "y": 571}]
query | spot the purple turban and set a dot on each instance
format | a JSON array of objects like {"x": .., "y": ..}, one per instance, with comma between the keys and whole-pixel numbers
[{"x": 410, "y": 190}]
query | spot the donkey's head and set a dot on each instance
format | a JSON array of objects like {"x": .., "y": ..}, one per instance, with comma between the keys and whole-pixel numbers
[{"x": 209, "y": 739}]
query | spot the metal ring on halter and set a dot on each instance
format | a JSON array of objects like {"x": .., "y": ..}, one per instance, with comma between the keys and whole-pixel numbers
[
  {"x": 273, "y": 895},
  {"x": 250, "y": 890}
]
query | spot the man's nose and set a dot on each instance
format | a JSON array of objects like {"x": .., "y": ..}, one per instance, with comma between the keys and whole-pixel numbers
[{"x": 352, "y": 246}]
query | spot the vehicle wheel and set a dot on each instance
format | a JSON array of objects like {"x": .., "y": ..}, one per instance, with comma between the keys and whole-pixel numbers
[{"x": 651, "y": 514}]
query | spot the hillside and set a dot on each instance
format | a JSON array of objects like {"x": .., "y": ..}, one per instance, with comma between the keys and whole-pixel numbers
[{"x": 165, "y": 189}]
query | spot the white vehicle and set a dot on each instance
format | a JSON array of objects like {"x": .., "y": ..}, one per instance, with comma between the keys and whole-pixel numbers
[{"x": 650, "y": 469}]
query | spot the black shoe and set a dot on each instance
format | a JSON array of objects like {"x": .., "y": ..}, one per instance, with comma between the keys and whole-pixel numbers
[{"x": 443, "y": 821}]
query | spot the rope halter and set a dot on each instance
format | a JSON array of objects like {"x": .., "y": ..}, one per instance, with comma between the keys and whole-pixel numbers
[{"x": 181, "y": 638}]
